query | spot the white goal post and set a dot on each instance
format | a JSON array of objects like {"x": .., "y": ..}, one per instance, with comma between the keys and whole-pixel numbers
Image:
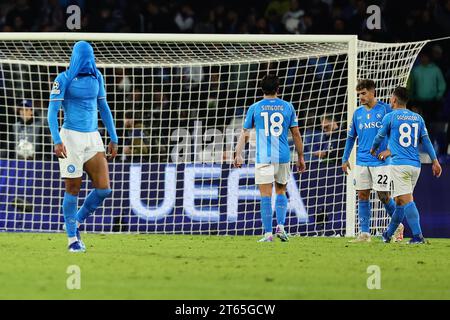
[{"x": 179, "y": 101}]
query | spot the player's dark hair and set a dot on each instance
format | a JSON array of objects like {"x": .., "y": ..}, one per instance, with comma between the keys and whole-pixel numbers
[
  {"x": 270, "y": 84},
  {"x": 365, "y": 84},
  {"x": 402, "y": 95}
]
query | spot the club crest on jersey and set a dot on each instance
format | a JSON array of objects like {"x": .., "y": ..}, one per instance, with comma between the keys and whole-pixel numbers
[
  {"x": 378, "y": 116},
  {"x": 70, "y": 168}
]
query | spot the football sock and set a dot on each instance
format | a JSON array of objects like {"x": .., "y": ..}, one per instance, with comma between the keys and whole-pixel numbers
[
  {"x": 390, "y": 207},
  {"x": 266, "y": 213},
  {"x": 364, "y": 215},
  {"x": 92, "y": 202},
  {"x": 396, "y": 219},
  {"x": 412, "y": 216},
  {"x": 281, "y": 202},
  {"x": 70, "y": 212}
]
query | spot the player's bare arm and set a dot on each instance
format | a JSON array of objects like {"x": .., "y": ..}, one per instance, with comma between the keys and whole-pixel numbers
[
  {"x": 346, "y": 167},
  {"x": 60, "y": 150},
  {"x": 296, "y": 135},
  {"x": 384, "y": 154},
  {"x": 112, "y": 150},
  {"x": 243, "y": 139},
  {"x": 436, "y": 168}
]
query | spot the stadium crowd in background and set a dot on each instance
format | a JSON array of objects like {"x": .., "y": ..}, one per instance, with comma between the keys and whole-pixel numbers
[
  {"x": 421, "y": 19},
  {"x": 28, "y": 137}
]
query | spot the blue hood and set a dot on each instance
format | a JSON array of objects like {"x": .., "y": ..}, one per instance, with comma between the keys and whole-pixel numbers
[{"x": 81, "y": 61}]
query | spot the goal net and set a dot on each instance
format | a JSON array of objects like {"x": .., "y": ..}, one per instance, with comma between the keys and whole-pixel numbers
[{"x": 178, "y": 102}]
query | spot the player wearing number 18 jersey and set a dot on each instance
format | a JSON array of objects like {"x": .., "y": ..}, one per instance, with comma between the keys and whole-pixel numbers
[
  {"x": 273, "y": 118},
  {"x": 405, "y": 130}
]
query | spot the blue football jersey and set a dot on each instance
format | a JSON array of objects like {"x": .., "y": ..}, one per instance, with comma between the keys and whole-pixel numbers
[
  {"x": 272, "y": 119},
  {"x": 80, "y": 90},
  {"x": 405, "y": 130},
  {"x": 364, "y": 126},
  {"x": 79, "y": 100}
]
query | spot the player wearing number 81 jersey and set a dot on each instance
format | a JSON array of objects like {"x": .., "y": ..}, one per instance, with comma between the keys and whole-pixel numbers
[
  {"x": 273, "y": 118},
  {"x": 405, "y": 130}
]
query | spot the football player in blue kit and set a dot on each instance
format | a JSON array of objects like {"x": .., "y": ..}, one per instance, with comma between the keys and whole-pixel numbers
[
  {"x": 405, "y": 130},
  {"x": 273, "y": 118},
  {"x": 370, "y": 172},
  {"x": 80, "y": 91}
]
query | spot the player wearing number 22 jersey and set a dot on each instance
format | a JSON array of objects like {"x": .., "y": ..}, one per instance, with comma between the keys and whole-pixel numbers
[
  {"x": 272, "y": 118},
  {"x": 371, "y": 172},
  {"x": 405, "y": 130}
]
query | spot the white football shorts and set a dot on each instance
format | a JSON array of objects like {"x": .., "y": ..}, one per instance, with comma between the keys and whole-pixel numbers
[
  {"x": 375, "y": 178},
  {"x": 270, "y": 172},
  {"x": 404, "y": 179},
  {"x": 80, "y": 146}
]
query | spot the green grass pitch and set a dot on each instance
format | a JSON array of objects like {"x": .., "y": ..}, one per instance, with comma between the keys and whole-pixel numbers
[{"x": 33, "y": 266}]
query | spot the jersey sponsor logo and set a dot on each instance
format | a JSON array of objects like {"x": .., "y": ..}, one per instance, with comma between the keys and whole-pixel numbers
[
  {"x": 371, "y": 125},
  {"x": 70, "y": 168}
]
